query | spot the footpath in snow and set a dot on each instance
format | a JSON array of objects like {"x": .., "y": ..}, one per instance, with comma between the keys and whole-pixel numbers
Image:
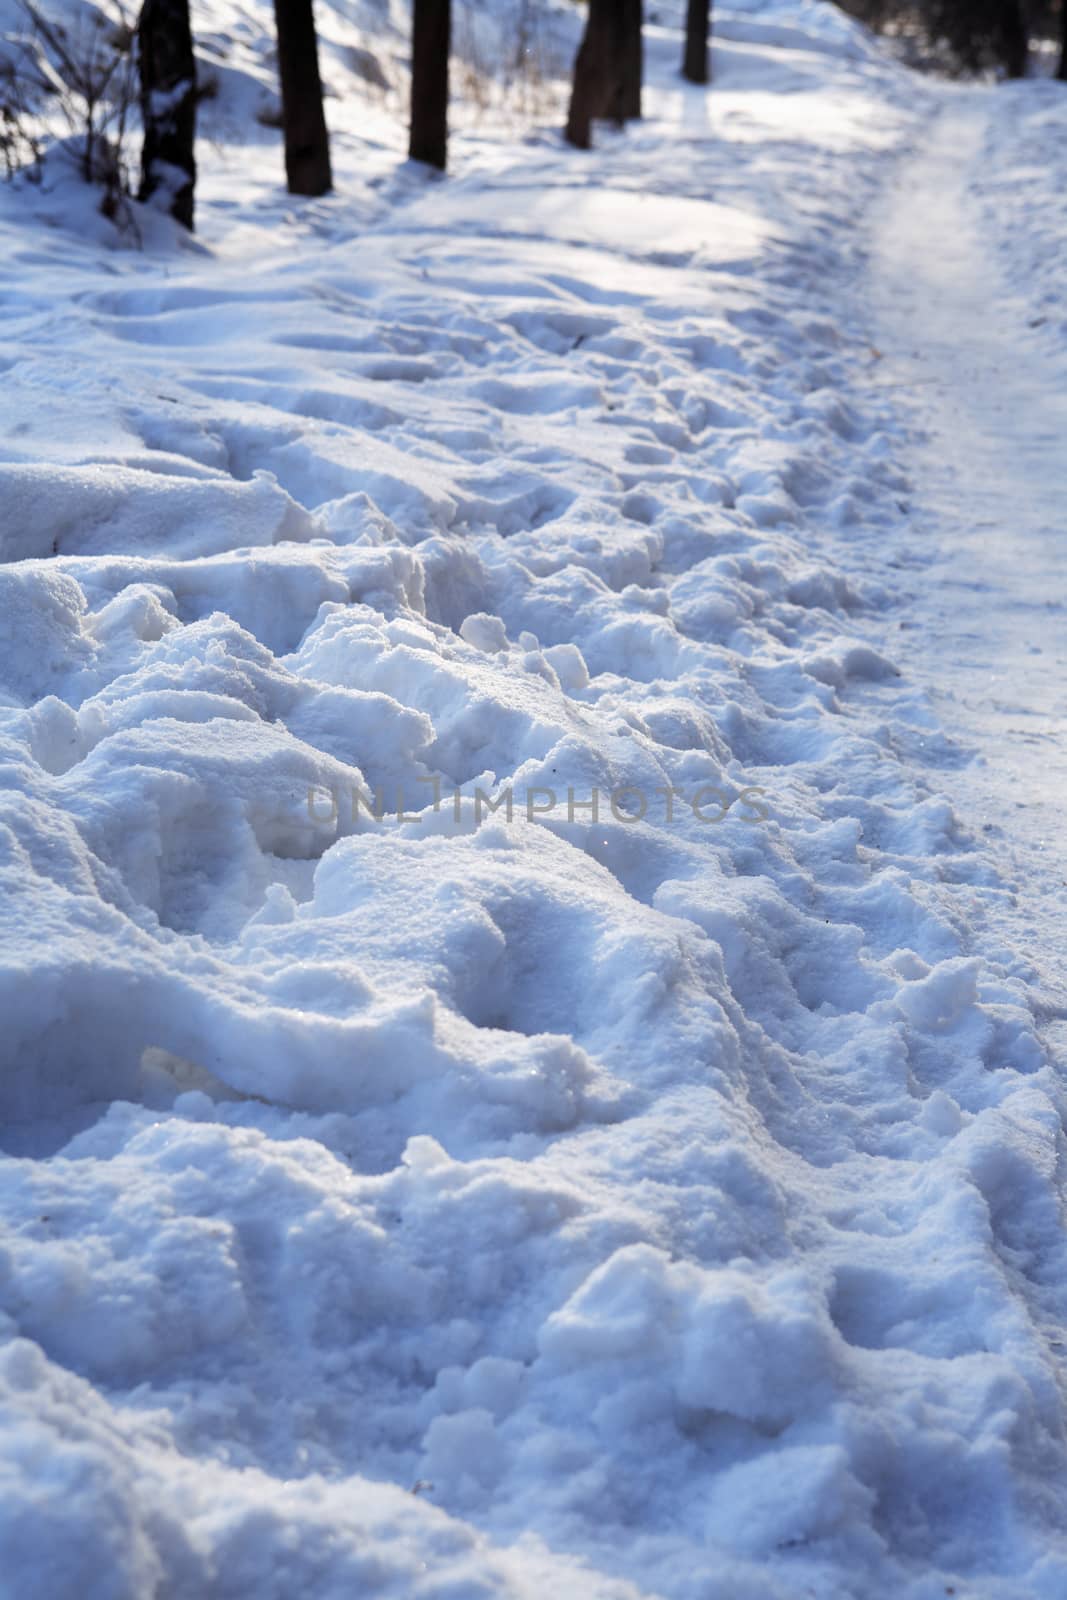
[
  {"x": 417, "y": 1182},
  {"x": 964, "y": 340}
]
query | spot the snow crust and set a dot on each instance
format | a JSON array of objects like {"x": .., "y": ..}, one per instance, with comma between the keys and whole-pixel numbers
[{"x": 406, "y": 1198}]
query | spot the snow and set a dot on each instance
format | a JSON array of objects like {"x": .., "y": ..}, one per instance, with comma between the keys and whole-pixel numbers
[
  {"x": 523, "y": 1068},
  {"x": 966, "y": 312}
]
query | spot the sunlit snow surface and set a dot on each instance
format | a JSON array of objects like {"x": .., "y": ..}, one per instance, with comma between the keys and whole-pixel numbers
[{"x": 467, "y": 1206}]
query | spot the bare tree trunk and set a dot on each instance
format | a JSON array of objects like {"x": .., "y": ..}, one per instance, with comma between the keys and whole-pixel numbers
[
  {"x": 1061, "y": 72},
  {"x": 632, "y": 61},
  {"x": 1016, "y": 43},
  {"x": 598, "y": 72},
  {"x": 307, "y": 143},
  {"x": 431, "y": 42},
  {"x": 696, "y": 63},
  {"x": 168, "y": 105}
]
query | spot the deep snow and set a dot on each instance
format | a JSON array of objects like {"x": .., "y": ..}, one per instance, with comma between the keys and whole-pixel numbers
[{"x": 665, "y": 1202}]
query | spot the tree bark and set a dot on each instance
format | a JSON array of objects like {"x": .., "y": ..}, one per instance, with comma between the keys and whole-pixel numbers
[
  {"x": 1061, "y": 71},
  {"x": 627, "y": 105},
  {"x": 431, "y": 42},
  {"x": 167, "y": 71},
  {"x": 696, "y": 60},
  {"x": 307, "y": 143},
  {"x": 599, "y": 70},
  {"x": 1016, "y": 43}
]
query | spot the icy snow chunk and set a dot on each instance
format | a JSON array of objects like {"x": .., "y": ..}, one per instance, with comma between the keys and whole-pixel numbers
[
  {"x": 278, "y": 908},
  {"x": 140, "y": 610},
  {"x": 45, "y": 632},
  {"x": 275, "y": 594},
  {"x": 943, "y": 997},
  {"x": 410, "y": 491},
  {"x": 184, "y": 809},
  {"x": 757, "y": 1351},
  {"x": 568, "y": 663},
  {"x": 102, "y": 510},
  {"x": 484, "y": 632},
  {"x": 623, "y": 1309},
  {"x": 727, "y": 1342},
  {"x": 371, "y": 732},
  {"x": 423, "y": 1154},
  {"x": 941, "y": 1115},
  {"x": 57, "y": 740}
]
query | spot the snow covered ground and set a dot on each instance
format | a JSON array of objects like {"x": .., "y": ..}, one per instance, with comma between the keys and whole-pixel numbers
[
  {"x": 973, "y": 345},
  {"x": 411, "y": 1191}
]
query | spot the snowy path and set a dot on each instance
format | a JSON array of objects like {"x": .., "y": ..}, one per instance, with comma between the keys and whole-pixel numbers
[
  {"x": 987, "y": 623},
  {"x": 667, "y": 1194}
]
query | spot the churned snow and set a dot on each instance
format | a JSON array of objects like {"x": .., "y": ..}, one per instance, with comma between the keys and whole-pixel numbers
[{"x": 516, "y": 1078}]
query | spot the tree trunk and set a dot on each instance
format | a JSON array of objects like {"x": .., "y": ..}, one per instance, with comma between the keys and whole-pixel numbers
[
  {"x": 168, "y": 106},
  {"x": 1062, "y": 70},
  {"x": 632, "y": 61},
  {"x": 307, "y": 143},
  {"x": 431, "y": 42},
  {"x": 1015, "y": 40},
  {"x": 696, "y": 63},
  {"x": 598, "y": 72}
]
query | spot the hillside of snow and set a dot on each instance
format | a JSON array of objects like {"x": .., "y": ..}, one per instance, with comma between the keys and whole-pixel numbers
[{"x": 513, "y": 1079}]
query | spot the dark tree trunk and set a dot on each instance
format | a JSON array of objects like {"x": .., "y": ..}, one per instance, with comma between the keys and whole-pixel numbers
[
  {"x": 1062, "y": 70},
  {"x": 631, "y": 62},
  {"x": 1016, "y": 43},
  {"x": 607, "y": 69},
  {"x": 696, "y": 62},
  {"x": 168, "y": 105},
  {"x": 431, "y": 42},
  {"x": 307, "y": 143},
  {"x": 595, "y": 73}
]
